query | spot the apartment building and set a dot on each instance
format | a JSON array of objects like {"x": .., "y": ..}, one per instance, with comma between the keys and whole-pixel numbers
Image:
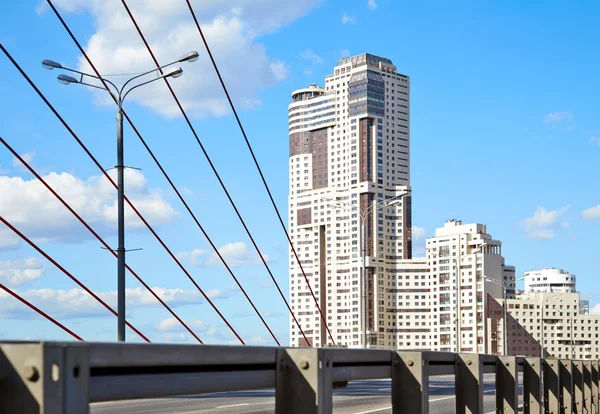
[
  {"x": 560, "y": 323},
  {"x": 349, "y": 154},
  {"x": 549, "y": 280},
  {"x": 466, "y": 264}
]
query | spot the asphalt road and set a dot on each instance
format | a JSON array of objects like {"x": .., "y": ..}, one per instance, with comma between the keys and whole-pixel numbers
[{"x": 359, "y": 397}]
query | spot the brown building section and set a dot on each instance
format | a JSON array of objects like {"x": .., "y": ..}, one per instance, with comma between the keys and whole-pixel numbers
[
  {"x": 300, "y": 143},
  {"x": 520, "y": 342},
  {"x": 366, "y": 200},
  {"x": 371, "y": 306},
  {"x": 366, "y": 149},
  {"x": 318, "y": 140},
  {"x": 407, "y": 227},
  {"x": 303, "y": 216}
]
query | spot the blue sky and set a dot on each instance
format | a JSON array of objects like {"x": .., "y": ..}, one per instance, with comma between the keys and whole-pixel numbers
[{"x": 504, "y": 131}]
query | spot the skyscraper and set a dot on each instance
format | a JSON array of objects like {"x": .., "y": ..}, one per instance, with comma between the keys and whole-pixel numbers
[{"x": 349, "y": 160}]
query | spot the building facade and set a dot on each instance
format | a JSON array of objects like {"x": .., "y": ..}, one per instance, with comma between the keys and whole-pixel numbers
[
  {"x": 559, "y": 322},
  {"x": 349, "y": 153},
  {"x": 549, "y": 280},
  {"x": 465, "y": 265}
]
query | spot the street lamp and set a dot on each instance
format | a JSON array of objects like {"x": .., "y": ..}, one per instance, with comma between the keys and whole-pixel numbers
[
  {"x": 119, "y": 95},
  {"x": 364, "y": 214}
]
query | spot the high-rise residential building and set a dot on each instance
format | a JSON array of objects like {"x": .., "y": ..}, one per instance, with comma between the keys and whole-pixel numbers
[
  {"x": 349, "y": 155},
  {"x": 465, "y": 265},
  {"x": 558, "y": 322},
  {"x": 549, "y": 280}
]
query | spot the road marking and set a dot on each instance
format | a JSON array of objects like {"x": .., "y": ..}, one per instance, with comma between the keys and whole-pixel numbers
[
  {"x": 233, "y": 405},
  {"x": 374, "y": 411},
  {"x": 437, "y": 399}
]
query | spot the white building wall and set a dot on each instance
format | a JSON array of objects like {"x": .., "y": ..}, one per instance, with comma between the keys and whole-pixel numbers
[
  {"x": 549, "y": 280},
  {"x": 559, "y": 322},
  {"x": 463, "y": 259}
]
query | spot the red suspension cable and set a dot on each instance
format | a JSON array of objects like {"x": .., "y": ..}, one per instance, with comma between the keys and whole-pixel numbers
[
  {"x": 214, "y": 247},
  {"x": 86, "y": 150},
  {"x": 41, "y": 312},
  {"x": 100, "y": 239},
  {"x": 69, "y": 275}
]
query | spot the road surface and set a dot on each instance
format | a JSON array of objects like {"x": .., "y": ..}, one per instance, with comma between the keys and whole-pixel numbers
[{"x": 359, "y": 397}]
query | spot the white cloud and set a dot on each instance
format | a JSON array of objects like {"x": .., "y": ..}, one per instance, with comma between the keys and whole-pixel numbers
[
  {"x": 537, "y": 226},
  {"x": 194, "y": 256},
  {"x": 8, "y": 239},
  {"x": 308, "y": 54},
  {"x": 27, "y": 157},
  {"x": 233, "y": 29},
  {"x": 308, "y": 72},
  {"x": 20, "y": 271},
  {"x": 557, "y": 117},
  {"x": 235, "y": 254},
  {"x": 544, "y": 234},
  {"x": 372, "y": 4},
  {"x": 595, "y": 140},
  {"x": 565, "y": 225},
  {"x": 592, "y": 212},
  {"x": 595, "y": 310},
  {"x": 259, "y": 340},
  {"x": 32, "y": 209},
  {"x": 173, "y": 325},
  {"x": 543, "y": 217},
  {"x": 175, "y": 337},
  {"x": 418, "y": 233},
  {"x": 347, "y": 19},
  {"x": 173, "y": 331},
  {"x": 76, "y": 303}
]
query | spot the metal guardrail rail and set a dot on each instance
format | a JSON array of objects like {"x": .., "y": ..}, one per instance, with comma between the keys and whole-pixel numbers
[{"x": 57, "y": 377}]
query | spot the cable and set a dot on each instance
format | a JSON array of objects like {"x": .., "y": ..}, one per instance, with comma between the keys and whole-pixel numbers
[
  {"x": 87, "y": 151},
  {"x": 73, "y": 278},
  {"x": 41, "y": 312},
  {"x": 215, "y": 171},
  {"x": 106, "y": 246},
  {"x": 257, "y": 165},
  {"x": 214, "y": 247}
]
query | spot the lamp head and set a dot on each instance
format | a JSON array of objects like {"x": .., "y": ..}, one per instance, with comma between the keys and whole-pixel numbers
[
  {"x": 66, "y": 79},
  {"x": 50, "y": 64},
  {"x": 173, "y": 73},
  {"x": 189, "y": 57}
]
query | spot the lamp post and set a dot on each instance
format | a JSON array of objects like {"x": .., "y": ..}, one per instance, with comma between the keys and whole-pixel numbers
[
  {"x": 364, "y": 214},
  {"x": 119, "y": 94}
]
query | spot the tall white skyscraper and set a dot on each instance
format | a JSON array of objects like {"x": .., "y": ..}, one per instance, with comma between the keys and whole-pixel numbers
[{"x": 349, "y": 155}]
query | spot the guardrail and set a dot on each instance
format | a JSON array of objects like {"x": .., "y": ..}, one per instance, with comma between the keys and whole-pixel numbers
[{"x": 56, "y": 377}]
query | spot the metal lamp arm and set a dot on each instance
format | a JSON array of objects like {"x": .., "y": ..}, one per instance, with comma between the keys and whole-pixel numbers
[
  {"x": 92, "y": 76},
  {"x": 144, "y": 74},
  {"x": 122, "y": 98}
]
